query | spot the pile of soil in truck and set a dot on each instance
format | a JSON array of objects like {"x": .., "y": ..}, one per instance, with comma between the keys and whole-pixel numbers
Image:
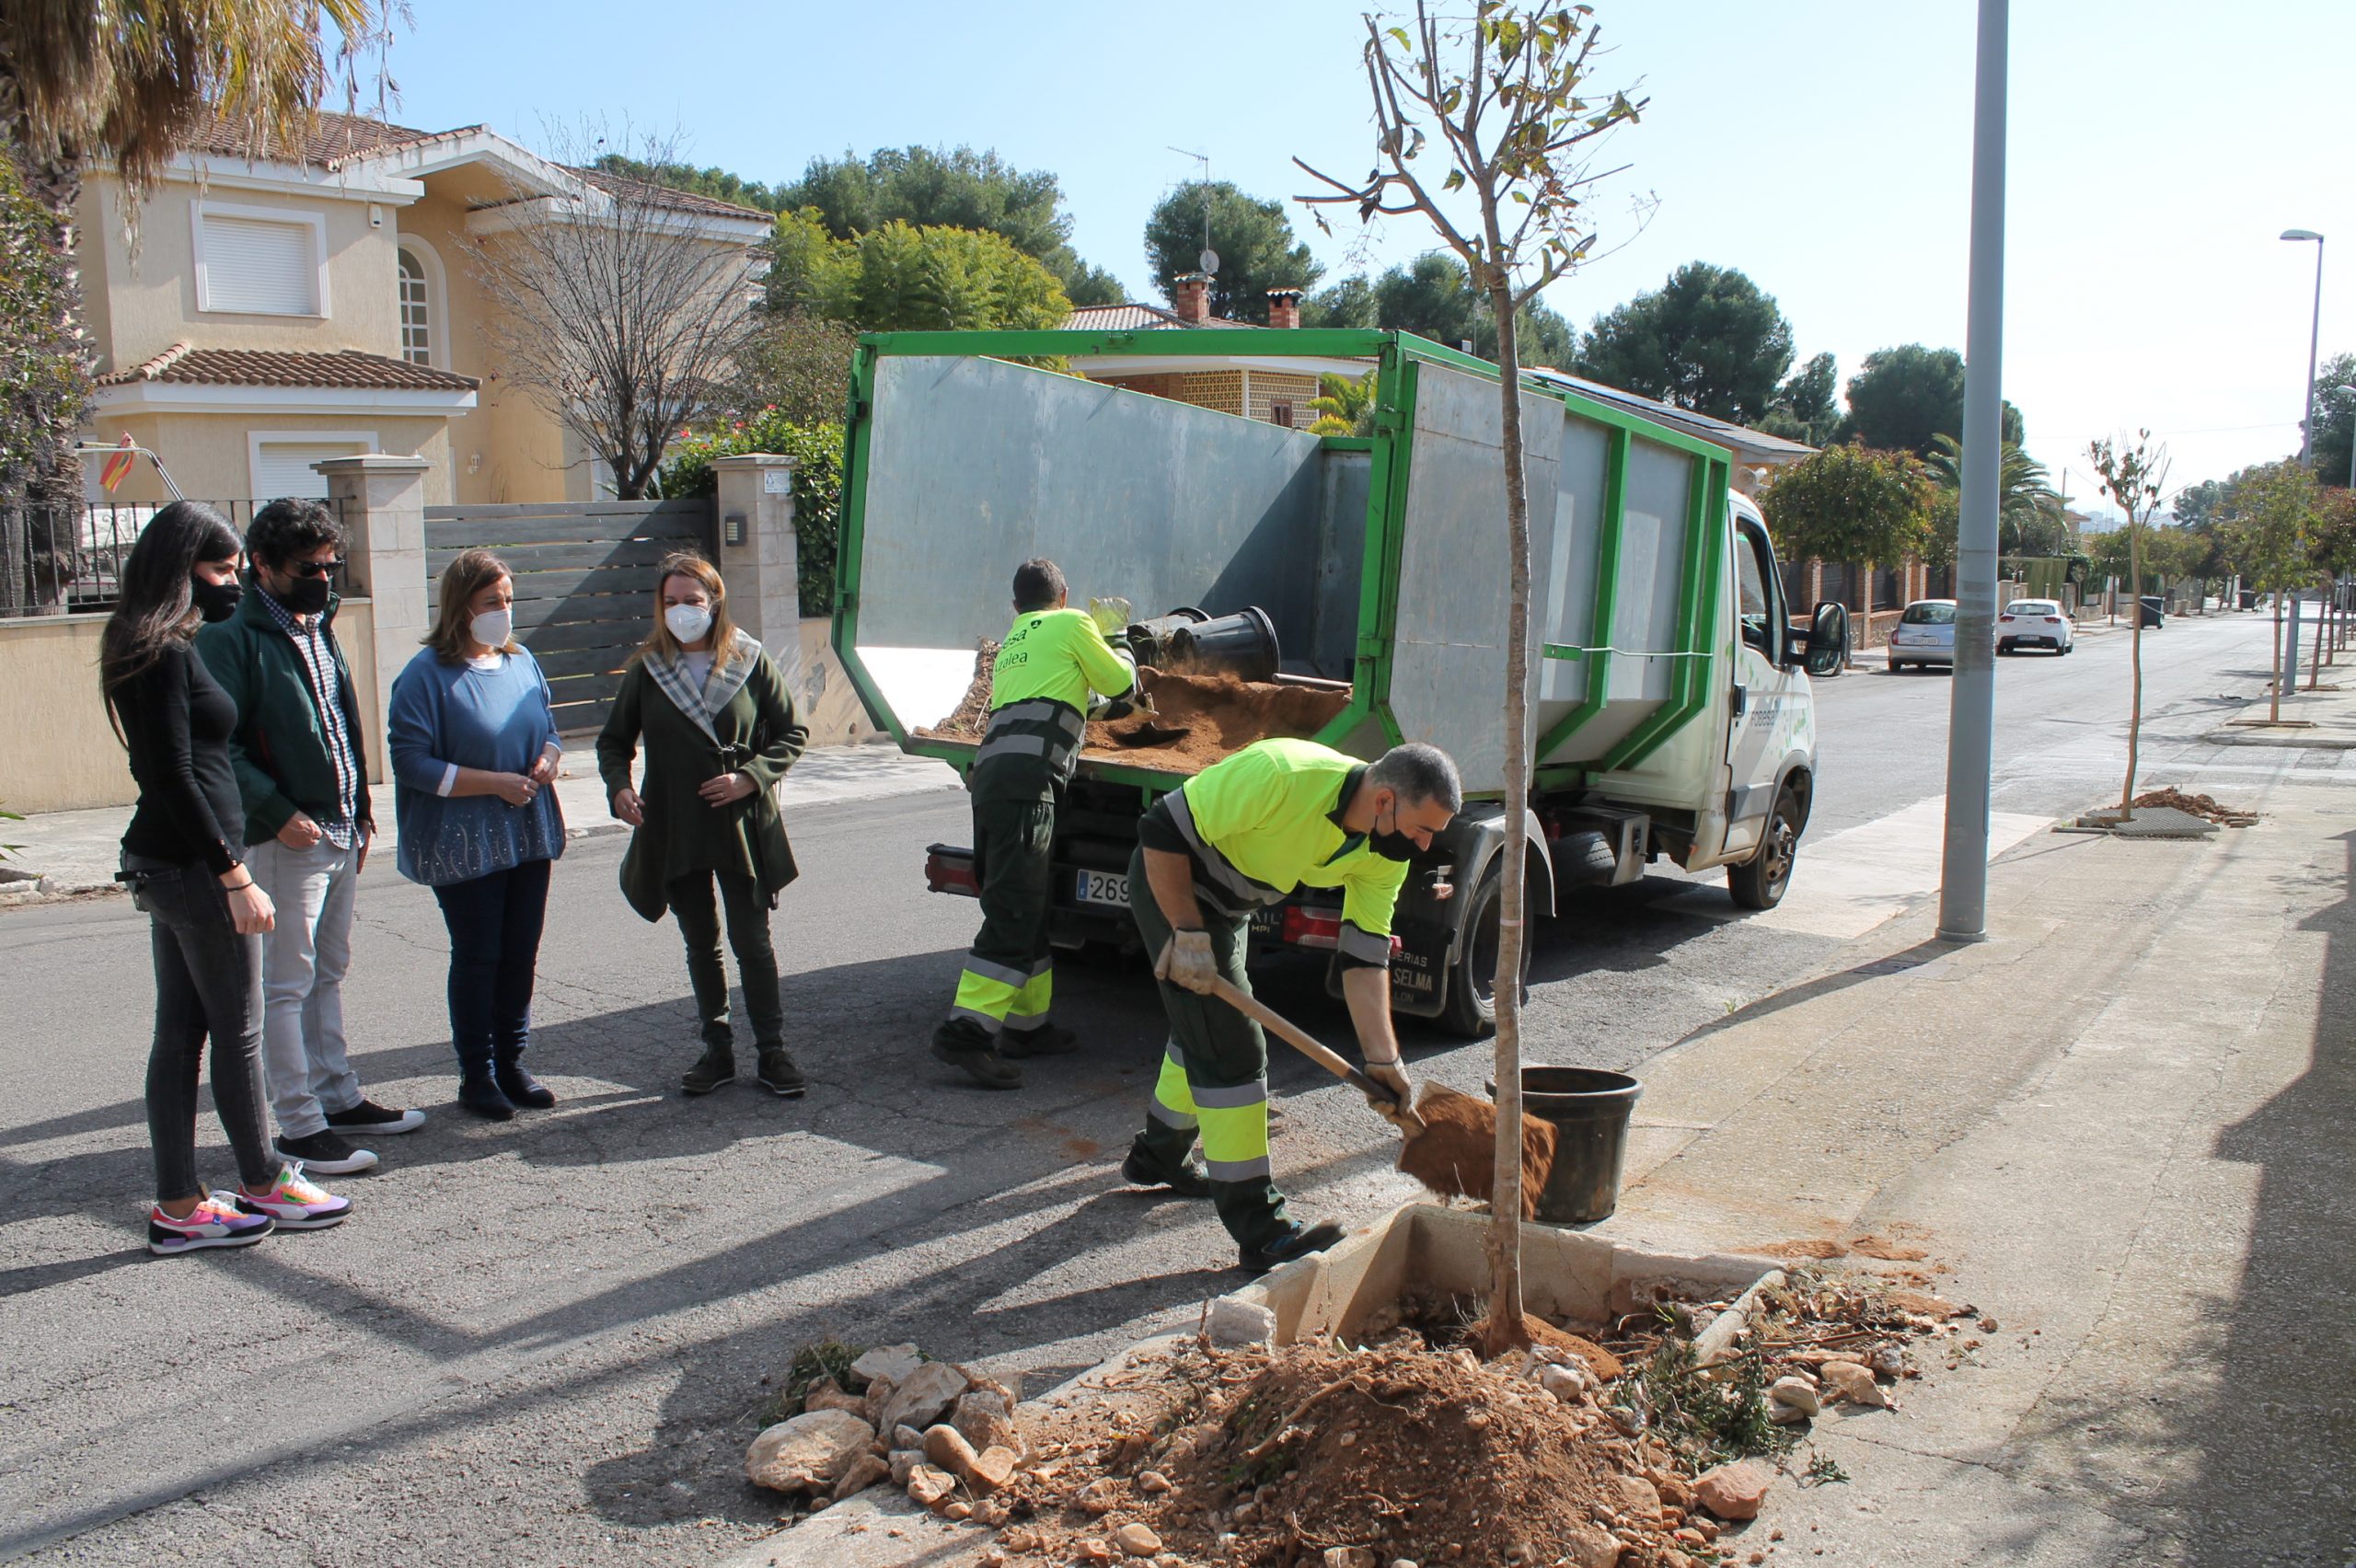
[{"x": 1196, "y": 720}]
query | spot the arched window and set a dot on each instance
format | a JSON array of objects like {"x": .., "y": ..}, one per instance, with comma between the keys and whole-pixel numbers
[{"x": 417, "y": 312}]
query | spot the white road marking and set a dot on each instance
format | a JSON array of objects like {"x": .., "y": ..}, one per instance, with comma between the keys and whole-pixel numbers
[{"x": 1846, "y": 884}]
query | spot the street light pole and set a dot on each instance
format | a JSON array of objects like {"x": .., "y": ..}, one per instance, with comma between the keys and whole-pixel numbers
[
  {"x": 2314, "y": 342},
  {"x": 1971, "y": 714}
]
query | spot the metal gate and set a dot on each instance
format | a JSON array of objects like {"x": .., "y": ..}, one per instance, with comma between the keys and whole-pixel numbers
[{"x": 584, "y": 581}]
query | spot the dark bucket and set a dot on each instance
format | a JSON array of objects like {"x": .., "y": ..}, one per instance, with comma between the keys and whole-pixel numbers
[
  {"x": 1150, "y": 641},
  {"x": 1589, "y": 1109},
  {"x": 1243, "y": 645}
]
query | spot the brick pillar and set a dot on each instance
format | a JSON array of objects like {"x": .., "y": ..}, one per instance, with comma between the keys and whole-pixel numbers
[
  {"x": 379, "y": 499},
  {"x": 763, "y": 565}
]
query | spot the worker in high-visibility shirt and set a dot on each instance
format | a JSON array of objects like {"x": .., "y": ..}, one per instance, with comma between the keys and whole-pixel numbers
[
  {"x": 1241, "y": 836},
  {"x": 1051, "y": 661}
]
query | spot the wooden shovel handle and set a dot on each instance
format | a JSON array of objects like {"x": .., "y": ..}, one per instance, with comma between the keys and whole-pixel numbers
[{"x": 1300, "y": 1040}]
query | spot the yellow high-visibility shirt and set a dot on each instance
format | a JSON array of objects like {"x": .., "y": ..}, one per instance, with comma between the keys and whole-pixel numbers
[{"x": 1059, "y": 655}]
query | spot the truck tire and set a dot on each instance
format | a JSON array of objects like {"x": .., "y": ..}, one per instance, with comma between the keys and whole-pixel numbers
[
  {"x": 1471, "y": 1009},
  {"x": 1759, "y": 883}
]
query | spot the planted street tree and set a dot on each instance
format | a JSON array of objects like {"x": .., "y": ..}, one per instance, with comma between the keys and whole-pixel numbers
[
  {"x": 1501, "y": 103},
  {"x": 2132, "y": 478},
  {"x": 624, "y": 314},
  {"x": 2272, "y": 511},
  {"x": 1847, "y": 503},
  {"x": 2333, "y": 549}
]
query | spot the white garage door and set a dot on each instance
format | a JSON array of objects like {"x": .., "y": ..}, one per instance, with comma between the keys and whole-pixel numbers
[{"x": 284, "y": 468}]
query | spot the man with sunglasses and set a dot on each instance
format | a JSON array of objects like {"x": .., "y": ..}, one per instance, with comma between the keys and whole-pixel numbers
[{"x": 303, "y": 775}]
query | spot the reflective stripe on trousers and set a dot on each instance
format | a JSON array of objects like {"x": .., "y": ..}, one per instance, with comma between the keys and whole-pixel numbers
[
  {"x": 1234, "y": 1121},
  {"x": 998, "y": 997}
]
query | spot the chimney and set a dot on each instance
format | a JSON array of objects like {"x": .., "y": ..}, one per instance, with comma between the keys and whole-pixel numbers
[
  {"x": 1190, "y": 295},
  {"x": 1283, "y": 308}
]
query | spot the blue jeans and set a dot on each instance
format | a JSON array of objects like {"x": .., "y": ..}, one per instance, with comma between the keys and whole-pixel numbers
[{"x": 494, "y": 924}]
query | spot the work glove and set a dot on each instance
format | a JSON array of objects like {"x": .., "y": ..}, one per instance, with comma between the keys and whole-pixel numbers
[
  {"x": 1392, "y": 1076},
  {"x": 1187, "y": 962},
  {"x": 1110, "y": 615}
]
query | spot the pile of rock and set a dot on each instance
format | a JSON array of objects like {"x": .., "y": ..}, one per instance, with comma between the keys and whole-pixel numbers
[{"x": 943, "y": 1432}]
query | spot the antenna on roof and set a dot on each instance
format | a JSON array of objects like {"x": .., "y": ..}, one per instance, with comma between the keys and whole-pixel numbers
[{"x": 1208, "y": 260}]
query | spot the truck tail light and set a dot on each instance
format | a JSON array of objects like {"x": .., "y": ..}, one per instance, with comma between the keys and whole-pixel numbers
[
  {"x": 1311, "y": 928},
  {"x": 950, "y": 869}
]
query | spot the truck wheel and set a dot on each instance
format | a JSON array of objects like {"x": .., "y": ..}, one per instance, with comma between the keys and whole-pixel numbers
[
  {"x": 1471, "y": 1010},
  {"x": 1759, "y": 883}
]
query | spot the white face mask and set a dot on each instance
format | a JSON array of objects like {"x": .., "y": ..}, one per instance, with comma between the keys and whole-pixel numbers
[
  {"x": 687, "y": 622},
  {"x": 493, "y": 628}
]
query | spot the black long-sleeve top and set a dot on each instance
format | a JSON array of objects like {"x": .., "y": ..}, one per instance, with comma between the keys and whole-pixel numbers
[{"x": 178, "y": 721}]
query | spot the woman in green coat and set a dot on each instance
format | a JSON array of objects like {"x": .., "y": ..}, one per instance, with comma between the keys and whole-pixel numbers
[{"x": 710, "y": 709}]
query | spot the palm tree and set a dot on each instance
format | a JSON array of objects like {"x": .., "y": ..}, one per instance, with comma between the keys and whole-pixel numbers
[
  {"x": 83, "y": 81},
  {"x": 1346, "y": 406},
  {"x": 2024, "y": 498}
]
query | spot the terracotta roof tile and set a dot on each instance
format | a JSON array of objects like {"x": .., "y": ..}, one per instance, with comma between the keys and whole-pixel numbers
[
  {"x": 665, "y": 196},
  {"x": 1134, "y": 317},
  {"x": 183, "y": 365},
  {"x": 335, "y": 137}
]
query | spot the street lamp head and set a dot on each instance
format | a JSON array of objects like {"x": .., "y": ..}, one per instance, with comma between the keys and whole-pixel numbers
[{"x": 2302, "y": 234}]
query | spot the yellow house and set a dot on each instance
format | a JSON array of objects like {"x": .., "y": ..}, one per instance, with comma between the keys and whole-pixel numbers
[{"x": 278, "y": 313}]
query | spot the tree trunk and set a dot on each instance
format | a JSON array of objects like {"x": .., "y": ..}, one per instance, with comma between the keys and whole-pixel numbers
[
  {"x": 56, "y": 185},
  {"x": 2274, "y": 706},
  {"x": 1506, "y": 1331},
  {"x": 2135, "y": 663}
]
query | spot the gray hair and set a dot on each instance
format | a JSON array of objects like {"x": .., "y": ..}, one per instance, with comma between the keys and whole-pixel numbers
[{"x": 1421, "y": 773}]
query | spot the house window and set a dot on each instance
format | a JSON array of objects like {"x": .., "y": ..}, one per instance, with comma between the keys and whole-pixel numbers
[
  {"x": 417, "y": 323},
  {"x": 260, "y": 260},
  {"x": 1280, "y": 412}
]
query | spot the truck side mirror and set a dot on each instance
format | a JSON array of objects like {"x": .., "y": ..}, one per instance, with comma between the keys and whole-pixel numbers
[{"x": 1824, "y": 647}]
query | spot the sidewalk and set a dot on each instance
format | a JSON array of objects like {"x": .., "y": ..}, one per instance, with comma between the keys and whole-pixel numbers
[{"x": 68, "y": 853}]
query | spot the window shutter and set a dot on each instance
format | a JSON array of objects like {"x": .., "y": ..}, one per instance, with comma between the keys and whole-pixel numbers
[
  {"x": 260, "y": 267},
  {"x": 284, "y": 468}
]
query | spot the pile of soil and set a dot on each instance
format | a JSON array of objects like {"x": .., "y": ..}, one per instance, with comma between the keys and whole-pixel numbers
[
  {"x": 1197, "y": 719},
  {"x": 2203, "y": 806},
  {"x": 1272, "y": 1458}
]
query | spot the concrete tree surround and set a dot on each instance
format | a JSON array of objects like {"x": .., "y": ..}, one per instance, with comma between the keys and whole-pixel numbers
[{"x": 379, "y": 499}]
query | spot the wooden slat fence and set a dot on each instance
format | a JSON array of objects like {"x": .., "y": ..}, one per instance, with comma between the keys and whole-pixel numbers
[{"x": 584, "y": 581}]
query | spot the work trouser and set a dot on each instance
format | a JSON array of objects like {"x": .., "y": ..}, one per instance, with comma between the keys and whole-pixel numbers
[
  {"x": 1214, "y": 1077},
  {"x": 1009, "y": 980}
]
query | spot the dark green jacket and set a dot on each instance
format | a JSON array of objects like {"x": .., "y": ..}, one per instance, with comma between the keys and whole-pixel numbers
[
  {"x": 683, "y": 834},
  {"x": 281, "y": 747}
]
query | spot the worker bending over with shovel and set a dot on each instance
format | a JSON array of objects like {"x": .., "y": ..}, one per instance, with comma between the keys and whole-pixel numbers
[
  {"x": 1241, "y": 836},
  {"x": 1051, "y": 661}
]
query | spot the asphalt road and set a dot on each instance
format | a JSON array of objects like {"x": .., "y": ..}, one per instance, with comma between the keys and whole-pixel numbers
[{"x": 546, "y": 1342}]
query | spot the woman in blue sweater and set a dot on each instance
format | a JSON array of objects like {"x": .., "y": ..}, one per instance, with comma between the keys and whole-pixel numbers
[{"x": 475, "y": 758}]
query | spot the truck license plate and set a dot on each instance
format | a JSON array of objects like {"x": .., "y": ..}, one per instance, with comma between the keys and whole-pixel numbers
[{"x": 1103, "y": 887}]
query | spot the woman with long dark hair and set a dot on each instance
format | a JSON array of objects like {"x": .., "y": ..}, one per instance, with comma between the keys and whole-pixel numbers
[
  {"x": 206, "y": 914},
  {"x": 475, "y": 756}
]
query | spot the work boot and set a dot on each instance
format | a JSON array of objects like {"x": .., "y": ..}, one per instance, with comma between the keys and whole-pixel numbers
[
  {"x": 964, "y": 1046},
  {"x": 716, "y": 1066},
  {"x": 1047, "y": 1040},
  {"x": 526, "y": 1093},
  {"x": 1296, "y": 1243},
  {"x": 779, "y": 1074},
  {"x": 1144, "y": 1169}
]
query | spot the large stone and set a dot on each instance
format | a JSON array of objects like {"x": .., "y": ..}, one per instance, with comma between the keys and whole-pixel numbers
[
  {"x": 947, "y": 1447},
  {"x": 904, "y": 1464},
  {"x": 891, "y": 1362},
  {"x": 826, "y": 1394},
  {"x": 922, "y": 1397},
  {"x": 1136, "y": 1540},
  {"x": 809, "y": 1453},
  {"x": 1589, "y": 1546},
  {"x": 927, "y": 1486},
  {"x": 985, "y": 1418},
  {"x": 1733, "y": 1491},
  {"x": 1565, "y": 1383},
  {"x": 1853, "y": 1383},
  {"x": 993, "y": 1468},
  {"x": 1635, "y": 1496},
  {"x": 1795, "y": 1393},
  {"x": 864, "y": 1472},
  {"x": 1241, "y": 1323},
  {"x": 1350, "y": 1557}
]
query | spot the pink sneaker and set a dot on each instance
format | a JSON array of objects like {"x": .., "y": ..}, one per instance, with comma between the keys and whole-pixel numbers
[
  {"x": 216, "y": 1221},
  {"x": 296, "y": 1202}
]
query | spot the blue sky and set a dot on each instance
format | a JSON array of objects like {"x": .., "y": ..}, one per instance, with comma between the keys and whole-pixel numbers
[{"x": 1822, "y": 147}]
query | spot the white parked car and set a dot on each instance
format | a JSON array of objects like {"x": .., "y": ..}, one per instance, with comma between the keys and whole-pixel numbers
[
  {"x": 1925, "y": 636},
  {"x": 2033, "y": 623}
]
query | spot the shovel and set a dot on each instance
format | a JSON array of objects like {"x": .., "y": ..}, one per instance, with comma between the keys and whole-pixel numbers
[{"x": 1448, "y": 1138}]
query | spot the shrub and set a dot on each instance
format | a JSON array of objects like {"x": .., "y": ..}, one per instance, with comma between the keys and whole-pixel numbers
[{"x": 817, "y": 452}]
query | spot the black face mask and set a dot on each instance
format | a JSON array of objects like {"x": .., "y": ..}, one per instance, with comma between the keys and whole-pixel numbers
[
  {"x": 1392, "y": 845},
  {"x": 216, "y": 600},
  {"x": 304, "y": 595}
]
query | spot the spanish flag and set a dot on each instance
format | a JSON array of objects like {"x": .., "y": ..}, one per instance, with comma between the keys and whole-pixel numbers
[{"x": 118, "y": 467}]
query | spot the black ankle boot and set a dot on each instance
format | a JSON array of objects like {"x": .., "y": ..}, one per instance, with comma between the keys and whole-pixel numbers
[
  {"x": 520, "y": 1087},
  {"x": 479, "y": 1092}
]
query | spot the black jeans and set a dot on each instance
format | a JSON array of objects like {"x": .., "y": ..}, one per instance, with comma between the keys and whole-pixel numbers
[
  {"x": 495, "y": 922},
  {"x": 207, "y": 986},
  {"x": 748, "y": 935}
]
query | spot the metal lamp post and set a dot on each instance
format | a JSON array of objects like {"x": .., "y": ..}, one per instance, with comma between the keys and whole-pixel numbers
[{"x": 2315, "y": 340}]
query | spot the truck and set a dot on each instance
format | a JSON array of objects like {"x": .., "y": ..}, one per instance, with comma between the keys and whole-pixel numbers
[{"x": 1671, "y": 711}]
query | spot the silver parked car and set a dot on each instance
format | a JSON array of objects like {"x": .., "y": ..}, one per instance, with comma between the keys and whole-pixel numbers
[{"x": 1925, "y": 636}]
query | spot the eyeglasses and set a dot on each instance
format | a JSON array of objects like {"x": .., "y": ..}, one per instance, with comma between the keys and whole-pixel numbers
[{"x": 316, "y": 568}]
